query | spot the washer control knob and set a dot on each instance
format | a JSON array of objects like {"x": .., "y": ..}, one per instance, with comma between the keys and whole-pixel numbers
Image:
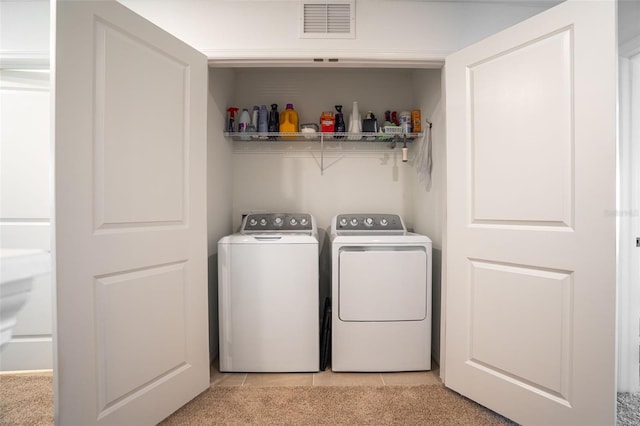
[
  {"x": 354, "y": 222},
  {"x": 368, "y": 222},
  {"x": 384, "y": 222},
  {"x": 253, "y": 222},
  {"x": 263, "y": 222},
  {"x": 293, "y": 221},
  {"x": 277, "y": 221},
  {"x": 304, "y": 221},
  {"x": 343, "y": 221}
]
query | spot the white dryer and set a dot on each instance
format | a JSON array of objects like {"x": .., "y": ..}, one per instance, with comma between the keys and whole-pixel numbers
[
  {"x": 268, "y": 295},
  {"x": 381, "y": 295}
]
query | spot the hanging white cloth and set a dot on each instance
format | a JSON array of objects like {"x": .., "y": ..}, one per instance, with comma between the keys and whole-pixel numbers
[{"x": 424, "y": 160}]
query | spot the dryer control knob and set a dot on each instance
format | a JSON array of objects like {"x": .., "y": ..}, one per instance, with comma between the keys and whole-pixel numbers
[
  {"x": 293, "y": 221},
  {"x": 343, "y": 221},
  {"x": 384, "y": 222},
  {"x": 263, "y": 222},
  {"x": 277, "y": 221},
  {"x": 304, "y": 221},
  {"x": 354, "y": 222},
  {"x": 368, "y": 222},
  {"x": 253, "y": 222}
]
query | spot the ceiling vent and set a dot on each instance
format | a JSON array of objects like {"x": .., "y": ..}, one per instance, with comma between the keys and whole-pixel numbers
[{"x": 327, "y": 19}]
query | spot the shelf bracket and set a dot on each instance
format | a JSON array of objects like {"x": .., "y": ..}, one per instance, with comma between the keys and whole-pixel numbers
[{"x": 321, "y": 154}]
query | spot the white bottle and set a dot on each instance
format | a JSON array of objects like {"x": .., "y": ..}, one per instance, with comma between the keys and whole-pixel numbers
[
  {"x": 253, "y": 127},
  {"x": 404, "y": 118},
  {"x": 244, "y": 121},
  {"x": 355, "y": 122}
]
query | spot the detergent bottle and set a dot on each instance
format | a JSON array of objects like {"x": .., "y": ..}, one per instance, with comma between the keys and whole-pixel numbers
[
  {"x": 253, "y": 126},
  {"x": 289, "y": 121},
  {"x": 263, "y": 119},
  {"x": 244, "y": 121}
]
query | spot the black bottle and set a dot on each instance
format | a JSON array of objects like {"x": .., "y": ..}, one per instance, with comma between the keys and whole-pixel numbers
[
  {"x": 339, "y": 126},
  {"x": 274, "y": 119}
]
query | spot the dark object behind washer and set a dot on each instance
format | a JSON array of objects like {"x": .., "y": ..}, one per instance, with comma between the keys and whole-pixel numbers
[{"x": 325, "y": 336}]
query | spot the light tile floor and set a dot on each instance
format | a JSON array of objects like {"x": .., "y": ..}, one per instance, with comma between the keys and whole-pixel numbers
[{"x": 325, "y": 378}]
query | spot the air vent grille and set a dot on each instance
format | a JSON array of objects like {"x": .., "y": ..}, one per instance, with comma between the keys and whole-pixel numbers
[{"x": 327, "y": 20}]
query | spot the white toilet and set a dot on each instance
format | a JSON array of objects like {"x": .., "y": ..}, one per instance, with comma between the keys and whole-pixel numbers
[{"x": 17, "y": 270}]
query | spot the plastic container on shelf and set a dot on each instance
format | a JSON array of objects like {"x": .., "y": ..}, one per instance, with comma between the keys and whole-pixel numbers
[
  {"x": 405, "y": 121},
  {"x": 327, "y": 122},
  {"x": 253, "y": 127},
  {"x": 309, "y": 129},
  {"x": 370, "y": 124},
  {"x": 289, "y": 122},
  {"x": 244, "y": 121},
  {"x": 231, "y": 118},
  {"x": 416, "y": 121},
  {"x": 355, "y": 122},
  {"x": 263, "y": 119},
  {"x": 340, "y": 126}
]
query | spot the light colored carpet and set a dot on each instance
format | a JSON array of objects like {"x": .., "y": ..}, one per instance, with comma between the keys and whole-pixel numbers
[
  {"x": 333, "y": 405},
  {"x": 28, "y": 400}
]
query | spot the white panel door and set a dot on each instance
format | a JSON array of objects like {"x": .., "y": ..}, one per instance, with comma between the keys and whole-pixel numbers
[
  {"x": 130, "y": 218},
  {"x": 530, "y": 260}
]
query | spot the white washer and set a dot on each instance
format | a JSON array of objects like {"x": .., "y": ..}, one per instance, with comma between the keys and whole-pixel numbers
[
  {"x": 381, "y": 295},
  {"x": 268, "y": 295}
]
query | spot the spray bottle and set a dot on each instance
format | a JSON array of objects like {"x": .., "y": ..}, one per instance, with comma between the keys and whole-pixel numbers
[
  {"x": 274, "y": 119},
  {"x": 273, "y": 123},
  {"x": 231, "y": 118},
  {"x": 339, "y": 126}
]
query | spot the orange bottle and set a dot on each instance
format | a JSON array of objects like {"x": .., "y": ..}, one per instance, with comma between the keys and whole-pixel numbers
[
  {"x": 289, "y": 122},
  {"x": 416, "y": 121}
]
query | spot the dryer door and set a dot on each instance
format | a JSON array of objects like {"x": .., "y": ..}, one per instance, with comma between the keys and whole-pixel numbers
[{"x": 383, "y": 284}]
